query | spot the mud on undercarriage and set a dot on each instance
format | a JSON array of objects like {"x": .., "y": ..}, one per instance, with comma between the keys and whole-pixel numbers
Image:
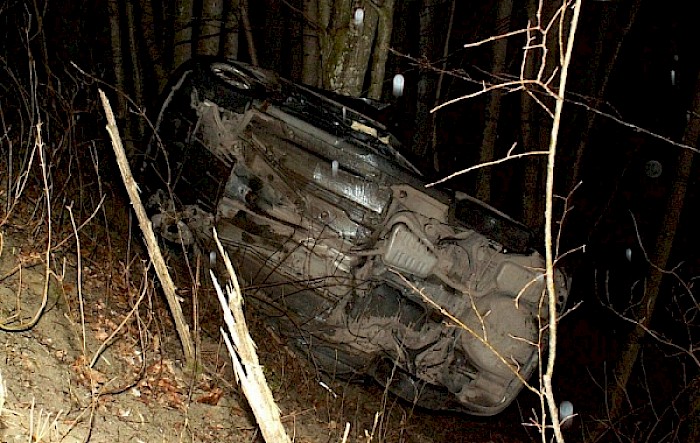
[{"x": 364, "y": 269}]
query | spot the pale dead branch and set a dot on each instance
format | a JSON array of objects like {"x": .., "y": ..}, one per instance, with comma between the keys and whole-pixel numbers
[
  {"x": 484, "y": 165},
  {"x": 149, "y": 237},
  {"x": 249, "y": 372},
  {"x": 549, "y": 235}
]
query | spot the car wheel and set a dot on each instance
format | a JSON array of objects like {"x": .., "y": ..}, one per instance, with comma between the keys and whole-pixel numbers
[{"x": 246, "y": 81}]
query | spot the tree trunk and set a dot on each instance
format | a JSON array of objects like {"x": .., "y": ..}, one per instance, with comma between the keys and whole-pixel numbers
[
  {"x": 493, "y": 108},
  {"x": 274, "y": 35},
  {"x": 210, "y": 33},
  {"x": 346, "y": 51},
  {"x": 530, "y": 113},
  {"x": 295, "y": 34},
  {"x": 117, "y": 53},
  {"x": 166, "y": 36},
  {"x": 245, "y": 18},
  {"x": 426, "y": 87},
  {"x": 183, "y": 32},
  {"x": 39, "y": 11},
  {"x": 533, "y": 186},
  {"x": 311, "y": 41},
  {"x": 438, "y": 90},
  {"x": 381, "y": 48},
  {"x": 232, "y": 14},
  {"x": 694, "y": 411},
  {"x": 138, "y": 123},
  {"x": 659, "y": 261},
  {"x": 606, "y": 33},
  {"x": 150, "y": 26}
]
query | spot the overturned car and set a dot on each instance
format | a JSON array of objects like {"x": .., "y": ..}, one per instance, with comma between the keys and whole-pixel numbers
[{"x": 365, "y": 270}]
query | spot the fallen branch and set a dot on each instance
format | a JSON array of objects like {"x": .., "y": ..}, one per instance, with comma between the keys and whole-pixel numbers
[
  {"x": 154, "y": 252},
  {"x": 246, "y": 366}
]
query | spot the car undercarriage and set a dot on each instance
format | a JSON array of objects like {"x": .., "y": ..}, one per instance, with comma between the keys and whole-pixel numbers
[{"x": 363, "y": 268}]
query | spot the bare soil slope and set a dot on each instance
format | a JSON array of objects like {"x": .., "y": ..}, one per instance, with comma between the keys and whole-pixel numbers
[{"x": 103, "y": 362}]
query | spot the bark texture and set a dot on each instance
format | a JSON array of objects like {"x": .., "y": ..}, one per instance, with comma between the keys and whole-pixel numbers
[
  {"x": 347, "y": 49},
  {"x": 385, "y": 15}
]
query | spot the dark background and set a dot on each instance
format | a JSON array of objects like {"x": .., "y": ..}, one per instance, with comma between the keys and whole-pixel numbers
[{"x": 616, "y": 211}]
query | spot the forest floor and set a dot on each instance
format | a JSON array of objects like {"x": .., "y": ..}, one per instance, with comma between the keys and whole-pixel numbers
[{"x": 103, "y": 362}]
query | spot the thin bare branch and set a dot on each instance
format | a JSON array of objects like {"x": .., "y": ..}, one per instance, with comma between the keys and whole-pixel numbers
[
  {"x": 549, "y": 236},
  {"x": 460, "y": 323},
  {"x": 483, "y": 165},
  {"x": 501, "y": 36}
]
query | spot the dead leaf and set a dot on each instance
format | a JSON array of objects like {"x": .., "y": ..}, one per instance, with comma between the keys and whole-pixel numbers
[{"x": 212, "y": 397}]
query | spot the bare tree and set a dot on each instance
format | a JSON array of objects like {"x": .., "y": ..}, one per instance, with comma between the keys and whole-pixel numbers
[
  {"x": 534, "y": 120},
  {"x": 667, "y": 410},
  {"x": 568, "y": 14},
  {"x": 248, "y": 29},
  {"x": 439, "y": 88},
  {"x": 275, "y": 29},
  {"x": 137, "y": 72},
  {"x": 533, "y": 177}
]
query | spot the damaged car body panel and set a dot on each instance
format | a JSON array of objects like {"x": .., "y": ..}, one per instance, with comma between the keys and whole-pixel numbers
[{"x": 363, "y": 268}]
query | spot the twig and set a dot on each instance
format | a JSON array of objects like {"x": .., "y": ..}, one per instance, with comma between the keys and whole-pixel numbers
[
  {"x": 500, "y": 36},
  {"x": 82, "y": 225},
  {"x": 104, "y": 344},
  {"x": 471, "y": 331},
  {"x": 39, "y": 145},
  {"x": 79, "y": 264},
  {"x": 483, "y": 165},
  {"x": 516, "y": 85},
  {"x": 635, "y": 127}
]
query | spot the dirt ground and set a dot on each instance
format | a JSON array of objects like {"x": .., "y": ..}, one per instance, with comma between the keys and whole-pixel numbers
[{"x": 103, "y": 362}]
